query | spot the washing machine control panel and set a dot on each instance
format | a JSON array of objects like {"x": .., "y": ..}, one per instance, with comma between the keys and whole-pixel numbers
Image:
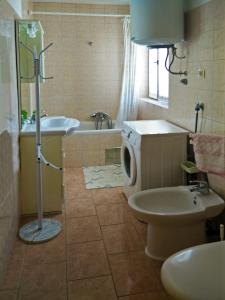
[{"x": 132, "y": 136}]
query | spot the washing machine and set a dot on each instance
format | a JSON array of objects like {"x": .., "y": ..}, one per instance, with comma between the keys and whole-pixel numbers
[{"x": 151, "y": 154}]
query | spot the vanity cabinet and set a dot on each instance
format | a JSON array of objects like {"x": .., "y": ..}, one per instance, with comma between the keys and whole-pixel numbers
[{"x": 52, "y": 179}]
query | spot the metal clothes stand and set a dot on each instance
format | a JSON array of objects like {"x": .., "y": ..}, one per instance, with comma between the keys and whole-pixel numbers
[{"x": 42, "y": 229}]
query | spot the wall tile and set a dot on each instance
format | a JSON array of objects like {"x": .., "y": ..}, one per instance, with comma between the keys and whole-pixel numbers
[
  {"x": 82, "y": 71},
  {"x": 204, "y": 48},
  {"x": 9, "y": 160}
]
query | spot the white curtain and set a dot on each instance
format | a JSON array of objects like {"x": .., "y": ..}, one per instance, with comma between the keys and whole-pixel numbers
[{"x": 131, "y": 82}]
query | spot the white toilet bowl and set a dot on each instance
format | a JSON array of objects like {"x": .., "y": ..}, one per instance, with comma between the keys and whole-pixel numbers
[
  {"x": 176, "y": 217},
  {"x": 196, "y": 273}
]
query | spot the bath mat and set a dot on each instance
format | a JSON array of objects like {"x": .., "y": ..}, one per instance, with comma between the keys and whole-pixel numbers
[{"x": 103, "y": 176}]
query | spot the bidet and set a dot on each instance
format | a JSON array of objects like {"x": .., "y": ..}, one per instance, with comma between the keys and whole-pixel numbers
[{"x": 176, "y": 217}]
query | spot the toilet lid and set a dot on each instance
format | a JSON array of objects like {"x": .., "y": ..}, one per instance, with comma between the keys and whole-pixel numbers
[{"x": 128, "y": 162}]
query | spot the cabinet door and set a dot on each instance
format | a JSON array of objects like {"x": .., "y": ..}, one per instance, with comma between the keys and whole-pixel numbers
[{"x": 52, "y": 179}]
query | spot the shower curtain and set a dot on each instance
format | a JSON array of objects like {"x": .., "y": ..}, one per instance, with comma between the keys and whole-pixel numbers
[{"x": 132, "y": 77}]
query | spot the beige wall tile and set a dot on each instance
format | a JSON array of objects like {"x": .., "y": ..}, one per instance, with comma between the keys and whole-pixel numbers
[
  {"x": 204, "y": 48},
  {"x": 88, "y": 149},
  {"x": 86, "y": 78},
  {"x": 9, "y": 160}
]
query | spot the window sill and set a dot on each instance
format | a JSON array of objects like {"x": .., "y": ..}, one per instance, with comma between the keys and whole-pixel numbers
[{"x": 155, "y": 102}]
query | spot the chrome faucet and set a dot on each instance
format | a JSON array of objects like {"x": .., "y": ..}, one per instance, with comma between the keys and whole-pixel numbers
[
  {"x": 32, "y": 118},
  {"x": 100, "y": 117},
  {"x": 44, "y": 115},
  {"x": 201, "y": 187}
]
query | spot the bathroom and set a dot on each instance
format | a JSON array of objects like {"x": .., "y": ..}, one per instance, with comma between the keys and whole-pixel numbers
[{"x": 99, "y": 253}]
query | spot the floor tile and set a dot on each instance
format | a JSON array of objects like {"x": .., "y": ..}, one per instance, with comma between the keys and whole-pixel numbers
[
  {"x": 60, "y": 217},
  {"x": 120, "y": 189},
  {"x": 123, "y": 199},
  {"x": 83, "y": 230},
  {"x": 73, "y": 176},
  {"x": 106, "y": 196},
  {"x": 100, "y": 288},
  {"x": 8, "y": 295},
  {"x": 71, "y": 172},
  {"x": 14, "y": 269},
  {"x": 121, "y": 238},
  {"x": 43, "y": 279},
  {"x": 158, "y": 265},
  {"x": 140, "y": 227},
  {"x": 52, "y": 251},
  {"x": 133, "y": 273},
  {"x": 39, "y": 271},
  {"x": 82, "y": 207},
  {"x": 112, "y": 214},
  {"x": 87, "y": 260},
  {"x": 148, "y": 296},
  {"x": 45, "y": 295},
  {"x": 77, "y": 191}
]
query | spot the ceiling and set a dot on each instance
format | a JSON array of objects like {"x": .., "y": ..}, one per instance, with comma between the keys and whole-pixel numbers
[{"x": 111, "y": 2}]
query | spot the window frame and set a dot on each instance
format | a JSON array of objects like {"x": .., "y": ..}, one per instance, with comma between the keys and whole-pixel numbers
[{"x": 161, "y": 99}]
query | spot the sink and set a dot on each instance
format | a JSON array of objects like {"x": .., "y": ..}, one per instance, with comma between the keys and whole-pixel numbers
[
  {"x": 55, "y": 124},
  {"x": 196, "y": 273},
  {"x": 59, "y": 121}
]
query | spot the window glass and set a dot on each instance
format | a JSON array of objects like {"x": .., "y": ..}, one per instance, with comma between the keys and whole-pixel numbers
[
  {"x": 153, "y": 80},
  {"x": 163, "y": 76},
  {"x": 158, "y": 75}
]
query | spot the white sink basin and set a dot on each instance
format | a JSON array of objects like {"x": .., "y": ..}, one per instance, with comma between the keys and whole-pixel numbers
[
  {"x": 196, "y": 273},
  {"x": 54, "y": 124},
  {"x": 59, "y": 122}
]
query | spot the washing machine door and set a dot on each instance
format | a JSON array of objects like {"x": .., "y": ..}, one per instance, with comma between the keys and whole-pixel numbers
[{"x": 128, "y": 162}]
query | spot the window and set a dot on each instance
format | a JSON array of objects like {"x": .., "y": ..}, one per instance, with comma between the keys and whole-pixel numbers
[{"x": 158, "y": 75}]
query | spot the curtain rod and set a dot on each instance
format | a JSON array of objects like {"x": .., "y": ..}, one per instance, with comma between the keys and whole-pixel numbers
[{"x": 77, "y": 14}]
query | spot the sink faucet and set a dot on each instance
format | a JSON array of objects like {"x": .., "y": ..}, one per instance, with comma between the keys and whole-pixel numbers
[
  {"x": 44, "y": 114},
  {"x": 31, "y": 119},
  {"x": 201, "y": 187}
]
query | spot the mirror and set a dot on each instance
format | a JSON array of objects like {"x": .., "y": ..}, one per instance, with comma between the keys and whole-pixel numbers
[{"x": 30, "y": 33}]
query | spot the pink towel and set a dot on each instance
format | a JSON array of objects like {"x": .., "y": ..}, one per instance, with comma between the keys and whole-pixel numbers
[{"x": 209, "y": 152}]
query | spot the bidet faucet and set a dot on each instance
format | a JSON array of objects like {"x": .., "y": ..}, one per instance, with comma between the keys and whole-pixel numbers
[{"x": 201, "y": 187}]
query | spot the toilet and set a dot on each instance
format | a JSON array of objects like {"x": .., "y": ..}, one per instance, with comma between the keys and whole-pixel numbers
[
  {"x": 176, "y": 217},
  {"x": 196, "y": 273}
]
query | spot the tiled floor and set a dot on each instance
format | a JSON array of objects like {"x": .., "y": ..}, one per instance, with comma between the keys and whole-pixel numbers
[{"x": 98, "y": 256}]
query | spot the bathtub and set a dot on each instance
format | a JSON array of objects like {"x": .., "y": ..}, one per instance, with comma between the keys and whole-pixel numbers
[
  {"x": 87, "y": 146},
  {"x": 89, "y": 127}
]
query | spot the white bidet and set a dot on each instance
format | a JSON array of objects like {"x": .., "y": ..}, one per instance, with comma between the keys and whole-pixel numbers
[{"x": 176, "y": 217}]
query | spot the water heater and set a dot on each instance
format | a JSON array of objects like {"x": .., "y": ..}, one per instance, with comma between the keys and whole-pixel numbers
[{"x": 157, "y": 23}]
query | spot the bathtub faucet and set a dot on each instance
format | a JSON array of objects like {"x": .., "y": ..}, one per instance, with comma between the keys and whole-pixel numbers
[
  {"x": 201, "y": 187},
  {"x": 99, "y": 118}
]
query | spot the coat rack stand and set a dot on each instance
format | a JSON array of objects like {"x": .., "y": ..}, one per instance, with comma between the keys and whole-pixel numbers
[{"x": 42, "y": 229}]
